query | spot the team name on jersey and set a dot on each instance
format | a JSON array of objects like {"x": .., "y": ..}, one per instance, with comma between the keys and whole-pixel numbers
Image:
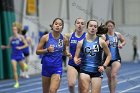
[
  {"x": 15, "y": 42},
  {"x": 73, "y": 41},
  {"x": 91, "y": 51},
  {"x": 114, "y": 42}
]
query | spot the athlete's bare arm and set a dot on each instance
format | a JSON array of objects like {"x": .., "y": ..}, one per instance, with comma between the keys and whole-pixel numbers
[
  {"x": 43, "y": 40},
  {"x": 66, "y": 48},
  {"x": 77, "y": 60},
  {"x": 106, "y": 50},
  {"x": 122, "y": 40},
  {"x": 7, "y": 46}
]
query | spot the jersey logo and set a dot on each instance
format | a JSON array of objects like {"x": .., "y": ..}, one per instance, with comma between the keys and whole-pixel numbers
[
  {"x": 91, "y": 51},
  {"x": 96, "y": 48}
]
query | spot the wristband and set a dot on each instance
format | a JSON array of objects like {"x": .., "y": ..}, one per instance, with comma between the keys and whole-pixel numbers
[{"x": 104, "y": 66}]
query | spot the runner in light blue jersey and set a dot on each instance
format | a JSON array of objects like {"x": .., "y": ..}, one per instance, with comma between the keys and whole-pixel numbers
[
  {"x": 91, "y": 68},
  {"x": 115, "y": 41}
]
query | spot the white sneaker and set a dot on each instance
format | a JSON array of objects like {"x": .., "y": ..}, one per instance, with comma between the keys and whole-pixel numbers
[
  {"x": 22, "y": 74},
  {"x": 27, "y": 76}
]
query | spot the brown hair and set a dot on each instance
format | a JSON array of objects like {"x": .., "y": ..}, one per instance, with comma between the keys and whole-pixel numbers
[
  {"x": 90, "y": 21},
  {"x": 102, "y": 29},
  {"x": 110, "y": 21}
]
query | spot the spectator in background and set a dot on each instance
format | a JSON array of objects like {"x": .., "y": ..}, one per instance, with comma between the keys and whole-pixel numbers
[
  {"x": 135, "y": 49},
  {"x": 26, "y": 51}
]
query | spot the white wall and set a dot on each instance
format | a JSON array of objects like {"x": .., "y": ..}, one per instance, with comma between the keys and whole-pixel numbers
[
  {"x": 129, "y": 32},
  {"x": 18, "y": 6},
  {"x": 48, "y": 10},
  {"x": 132, "y": 12},
  {"x": 77, "y": 8},
  {"x": 127, "y": 12},
  {"x": 118, "y": 11},
  {"x": 102, "y": 10}
]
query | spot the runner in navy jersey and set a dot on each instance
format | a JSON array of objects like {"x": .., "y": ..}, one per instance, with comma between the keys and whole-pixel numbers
[
  {"x": 112, "y": 38},
  {"x": 17, "y": 43},
  {"x": 73, "y": 69},
  {"x": 91, "y": 68},
  {"x": 26, "y": 51},
  {"x": 52, "y": 45}
]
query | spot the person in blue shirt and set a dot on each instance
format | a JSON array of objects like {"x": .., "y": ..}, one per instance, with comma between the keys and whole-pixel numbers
[
  {"x": 74, "y": 37},
  {"x": 26, "y": 51},
  {"x": 52, "y": 46},
  {"x": 113, "y": 38},
  {"x": 91, "y": 68},
  {"x": 17, "y": 42}
]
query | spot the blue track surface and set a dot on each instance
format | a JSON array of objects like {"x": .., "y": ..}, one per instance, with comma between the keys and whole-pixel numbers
[{"x": 128, "y": 82}]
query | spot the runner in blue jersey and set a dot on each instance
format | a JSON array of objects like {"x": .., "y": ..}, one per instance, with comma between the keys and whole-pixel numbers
[
  {"x": 73, "y": 69},
  {"x": 17, "y": 43},
  {"x": 91, "y": 68},
  {"x": 112, "y": 39},
  {"x": 26, "y": 51},
  {"x": 52, "y": 45}
]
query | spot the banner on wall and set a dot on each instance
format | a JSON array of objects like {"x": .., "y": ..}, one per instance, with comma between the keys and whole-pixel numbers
[{"x": 31, "y": 8}]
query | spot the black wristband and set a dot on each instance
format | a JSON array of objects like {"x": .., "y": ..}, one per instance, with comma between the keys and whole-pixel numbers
[{"x": 104, "y": 66}]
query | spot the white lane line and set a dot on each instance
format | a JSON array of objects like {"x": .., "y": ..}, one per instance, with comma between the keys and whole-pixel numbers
[
  {"x": 29, "y": 90},
  {"x": 130, "y": 89},
  {"x": 21, "y": 82},
  {"x": 62, "y": 89},
  {"x": 3, "y": 90},
  {"x": 31, "y": 80},
  {"x": 65, "y": 78},
  {"x": 128, "y": 73},
  {"x": 126, "y": 80},
  {"x": 39, "y": 88}
]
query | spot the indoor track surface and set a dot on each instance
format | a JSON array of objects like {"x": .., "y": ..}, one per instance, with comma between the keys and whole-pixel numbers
[{"x": 128, "y": 82}]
